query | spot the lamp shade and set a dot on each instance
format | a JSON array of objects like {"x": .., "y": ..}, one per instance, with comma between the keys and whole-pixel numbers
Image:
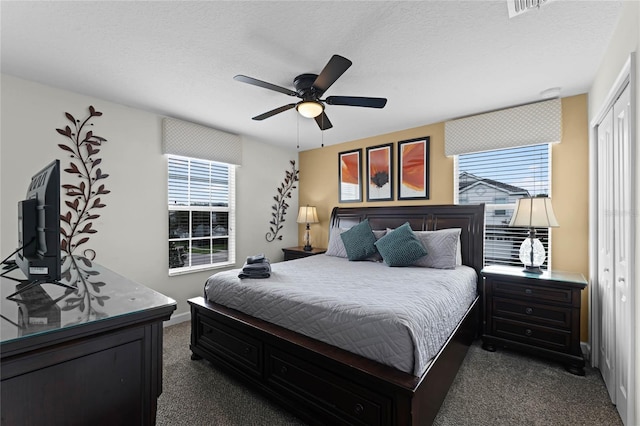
[
  {"x": 307, "y": 214},
  {"x": 535, "y": 212},
  {"x": 310, "y": 109}
]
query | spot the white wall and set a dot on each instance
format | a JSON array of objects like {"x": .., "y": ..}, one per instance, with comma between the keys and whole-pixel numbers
[
  {"x": 626, "y": 39},
  {"x": 132, "y": 232}
]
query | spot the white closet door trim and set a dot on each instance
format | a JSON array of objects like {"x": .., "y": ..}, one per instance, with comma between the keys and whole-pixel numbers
[{"x": 627, "y": 77}]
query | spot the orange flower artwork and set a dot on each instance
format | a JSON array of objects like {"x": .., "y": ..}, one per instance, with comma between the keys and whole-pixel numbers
[
  {"x": 414, "y": 169},
  {"x": 413, "y": 166},
  {"x": 379, "y": 167},
  {"x": 350, "y": 168},
  {"x": 379, "y": 172}
]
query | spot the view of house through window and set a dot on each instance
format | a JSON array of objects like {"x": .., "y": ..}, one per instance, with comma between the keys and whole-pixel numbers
[
  {"x": 498, "y": 179},
  {"x": 201, "y": 214}
]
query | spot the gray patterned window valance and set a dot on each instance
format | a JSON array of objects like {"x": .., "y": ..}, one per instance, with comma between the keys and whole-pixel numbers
[
  {"x": 196, "y": 141},
  {"x": 531, "y": 124}
]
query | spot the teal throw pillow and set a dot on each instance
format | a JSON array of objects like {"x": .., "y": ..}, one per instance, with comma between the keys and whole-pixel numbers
[
  {"x": 400, "y": 247},
  {"x": 359, "y": 241}
]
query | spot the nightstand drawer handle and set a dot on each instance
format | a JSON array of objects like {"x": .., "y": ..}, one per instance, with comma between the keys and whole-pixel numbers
[
  {"x": 528, "y": 311},
  {"x": 528, "y": 332},
  {"x": 358, "y": 409},
  {"x": 284, "y": 370},
  {"x": 528, "y": 291}
]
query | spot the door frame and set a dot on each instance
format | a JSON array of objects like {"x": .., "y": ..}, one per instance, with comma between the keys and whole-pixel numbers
[{"x": 627, "y": 76}]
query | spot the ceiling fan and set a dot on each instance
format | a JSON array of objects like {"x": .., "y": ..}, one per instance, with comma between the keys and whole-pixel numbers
[{"x": 310, "y": 88}]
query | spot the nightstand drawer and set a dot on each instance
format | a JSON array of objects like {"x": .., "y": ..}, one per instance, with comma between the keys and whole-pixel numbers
[
  {"x": 535, "y": 335},
  {"x": 533, "y": 292},
  {"x": 553, "y": 316}
]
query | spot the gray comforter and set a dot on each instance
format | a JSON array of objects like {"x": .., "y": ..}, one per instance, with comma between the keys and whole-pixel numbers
[{"x": 397, "y": 316}]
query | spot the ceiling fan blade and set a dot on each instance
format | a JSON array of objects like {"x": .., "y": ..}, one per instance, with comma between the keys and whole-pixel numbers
[
  {"x": 273, "y": 112},
  {"x": 264, "y": 84},
  {"x": 357, "y": 101},
  {"x": 323, "y": 121},
  {"x": 336, "y": 66}
]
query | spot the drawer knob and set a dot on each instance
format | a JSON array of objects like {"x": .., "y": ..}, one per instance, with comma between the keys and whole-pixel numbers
[
  {"x": 528, "y": 311},
  {"x": 246, "y": 350},
  {"x": 528, "y": 291},
  {"x": 528, "y": 332},
  {"x": 358, "y": 409},
  {"x": 283, "y": 370}
]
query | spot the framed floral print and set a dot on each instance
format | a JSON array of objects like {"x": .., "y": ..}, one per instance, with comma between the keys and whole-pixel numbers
[
  {"x": 413, "y": 169},
  {"x": 350, "y": 175},
  {"x": 380, "y": 172}
]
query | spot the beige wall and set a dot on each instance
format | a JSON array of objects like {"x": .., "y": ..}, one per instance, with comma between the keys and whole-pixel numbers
[
  {"x": 319, "y": 176},
  {"x": 570, "y": 193},
  {"x": 319, "y": 185}
]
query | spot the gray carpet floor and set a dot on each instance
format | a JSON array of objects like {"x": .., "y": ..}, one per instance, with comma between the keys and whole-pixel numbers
[{"x": 491, "y": 388}]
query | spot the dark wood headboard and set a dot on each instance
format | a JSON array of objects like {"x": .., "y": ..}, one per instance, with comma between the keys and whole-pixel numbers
[{"x": 470, "y": 218}]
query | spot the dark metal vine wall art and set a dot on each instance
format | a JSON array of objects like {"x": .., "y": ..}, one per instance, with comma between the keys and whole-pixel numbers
[
  {"x": 281, "y": 205},
  {"x": 85, "y": 197}
]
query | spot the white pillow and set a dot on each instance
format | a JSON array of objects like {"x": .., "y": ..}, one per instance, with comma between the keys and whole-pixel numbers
[
  {"x": 443, "y": 248},
  {"x": 336, "y": 246}
]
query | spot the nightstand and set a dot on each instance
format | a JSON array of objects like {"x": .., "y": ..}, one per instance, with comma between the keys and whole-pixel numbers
[
  {"x": 291, "y": 253},
  {"x": 537, "y": 313}
]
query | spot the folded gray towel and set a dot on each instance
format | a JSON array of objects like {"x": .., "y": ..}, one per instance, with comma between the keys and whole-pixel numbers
[
  {"x": 261, "y": 269},
  {"x": 257, "y": 267},
  {"x": 254, "y": 275}
]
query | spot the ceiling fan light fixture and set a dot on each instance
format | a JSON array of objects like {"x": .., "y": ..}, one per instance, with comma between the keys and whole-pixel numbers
[{"x": 310, "y": 109}]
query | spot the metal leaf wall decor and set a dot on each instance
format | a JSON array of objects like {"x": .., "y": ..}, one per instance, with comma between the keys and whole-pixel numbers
[
  {"x": 281, "y": 205},
  {"x": 84, "y": 199}
]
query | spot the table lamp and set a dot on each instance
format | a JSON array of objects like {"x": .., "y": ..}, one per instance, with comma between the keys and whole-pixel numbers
[
  {"x": 307, "y": 214},
  {"x": 533, "y": 212}
]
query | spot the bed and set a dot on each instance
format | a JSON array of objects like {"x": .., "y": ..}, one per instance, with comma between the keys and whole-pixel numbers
[{"x": 323, "y": 381}]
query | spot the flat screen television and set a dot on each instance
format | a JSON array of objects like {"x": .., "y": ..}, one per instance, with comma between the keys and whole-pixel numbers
[{"x": 38, "y": 256}]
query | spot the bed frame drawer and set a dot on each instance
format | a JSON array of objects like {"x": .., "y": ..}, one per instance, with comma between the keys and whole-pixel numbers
[
  {"x": 231, "y": 345},
  {"x": 328, "y": 392}
]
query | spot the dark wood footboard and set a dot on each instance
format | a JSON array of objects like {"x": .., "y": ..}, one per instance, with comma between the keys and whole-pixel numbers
[{"x": 320, "y": 383}]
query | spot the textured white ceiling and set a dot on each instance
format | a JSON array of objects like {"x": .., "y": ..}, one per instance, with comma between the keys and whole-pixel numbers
[{"x": 433, "y": 60}]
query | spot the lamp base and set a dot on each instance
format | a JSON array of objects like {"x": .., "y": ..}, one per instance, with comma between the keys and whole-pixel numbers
[
  {"x": 307, "y": 248},
  {"x": 532, "y": 269}
]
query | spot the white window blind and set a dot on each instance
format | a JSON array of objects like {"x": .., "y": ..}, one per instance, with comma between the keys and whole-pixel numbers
[
  {"x": 498, "y": 178},
  {"x": 201, "y": 202}
]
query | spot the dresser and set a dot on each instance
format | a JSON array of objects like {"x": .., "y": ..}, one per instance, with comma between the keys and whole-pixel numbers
[
  {"x": 536, "y": 313},
  {"x": 91, "y": 356},
  {"x": 291, "y": 253}
]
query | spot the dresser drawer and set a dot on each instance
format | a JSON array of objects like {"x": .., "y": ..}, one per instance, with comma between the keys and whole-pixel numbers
[
  {"x": 531, "y": 292},
  {"x": 231, "y": 345},
  {"x": 306, "y": 383},
  {"x": 526, "y": 311},
  {"x": 535, "y": 335}
]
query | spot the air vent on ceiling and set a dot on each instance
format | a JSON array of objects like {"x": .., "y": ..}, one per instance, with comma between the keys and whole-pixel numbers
[{"x": 518, "y": 7}]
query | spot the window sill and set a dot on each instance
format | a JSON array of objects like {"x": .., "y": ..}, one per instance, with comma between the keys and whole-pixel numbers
[{"x": 193, "y": 269}]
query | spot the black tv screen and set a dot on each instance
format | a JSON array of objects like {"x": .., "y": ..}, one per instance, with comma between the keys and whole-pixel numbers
[{"x": 39, "y": 226}]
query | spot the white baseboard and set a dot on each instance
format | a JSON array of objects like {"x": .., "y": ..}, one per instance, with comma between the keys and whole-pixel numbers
[{"x": 178, "y": 318}]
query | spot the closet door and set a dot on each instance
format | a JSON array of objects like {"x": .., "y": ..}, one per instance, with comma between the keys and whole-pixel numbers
[
  {"x": 605, "y": 284},
  {"x": 622, "y": 184}
]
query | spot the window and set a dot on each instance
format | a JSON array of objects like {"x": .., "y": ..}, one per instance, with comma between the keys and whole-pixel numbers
[
  {"x": 201, "y": 214},
  {"x": 499, "y": 200},
  {"x": 498, "y": 178}
]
